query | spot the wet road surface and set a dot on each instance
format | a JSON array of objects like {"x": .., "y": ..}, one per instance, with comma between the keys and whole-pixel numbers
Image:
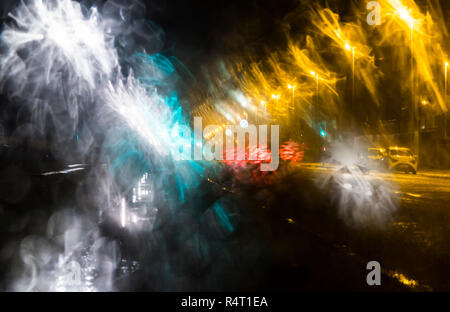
[
  {"x": 415, "y": 247},
  {"x": 288, "y": 237}
]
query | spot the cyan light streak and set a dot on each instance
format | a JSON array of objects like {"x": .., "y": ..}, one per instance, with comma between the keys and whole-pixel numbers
[
  {"x": 152, "y": 133},
  {"x": 223, "y": 217}
]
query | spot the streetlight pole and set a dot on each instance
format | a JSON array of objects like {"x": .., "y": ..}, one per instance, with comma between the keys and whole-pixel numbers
[
  {"x": 317, "y": 89},
  {"x": 292, "y": 87},
  {"x": 414, "y": 117},
  {"x": 445, "y": 82},
  {"x": 349, "y": 48},
  {"x": 257, "y": 115},
  {"x": 413, "y": 110},
  {"x": 405, "y": 15},
  {"x": 316, "y": 108},
  {"x": 257, "y": 110},
  {"x": 353, "y": 75},
  {"x": 445, "y": 99},
  {"x": 293, "y": 93},
  {"x": 276, "y": 97}
]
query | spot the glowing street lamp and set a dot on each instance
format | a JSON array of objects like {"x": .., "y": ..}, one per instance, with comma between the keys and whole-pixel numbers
[
  {"x": 276, "y": 97},
  {"x": 263, "y": 103},
  {"x": 405, "y": 14}
]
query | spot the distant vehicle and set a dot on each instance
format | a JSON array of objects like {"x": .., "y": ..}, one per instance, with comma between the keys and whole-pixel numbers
[
  {"x": 377, "y": 157},
  {"x": 401, "y": 158}
]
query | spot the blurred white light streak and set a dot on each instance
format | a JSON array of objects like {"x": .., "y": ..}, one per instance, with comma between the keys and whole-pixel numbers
[{"x": 123, "y": 213}]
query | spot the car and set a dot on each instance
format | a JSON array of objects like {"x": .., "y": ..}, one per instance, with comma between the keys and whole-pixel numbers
[{"x": 401, "y": 158}]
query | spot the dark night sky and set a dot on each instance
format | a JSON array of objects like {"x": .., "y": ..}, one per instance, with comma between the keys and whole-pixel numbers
[
  {"x": 198, "y": 32},
  {"x": 197, "y": 29}
]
